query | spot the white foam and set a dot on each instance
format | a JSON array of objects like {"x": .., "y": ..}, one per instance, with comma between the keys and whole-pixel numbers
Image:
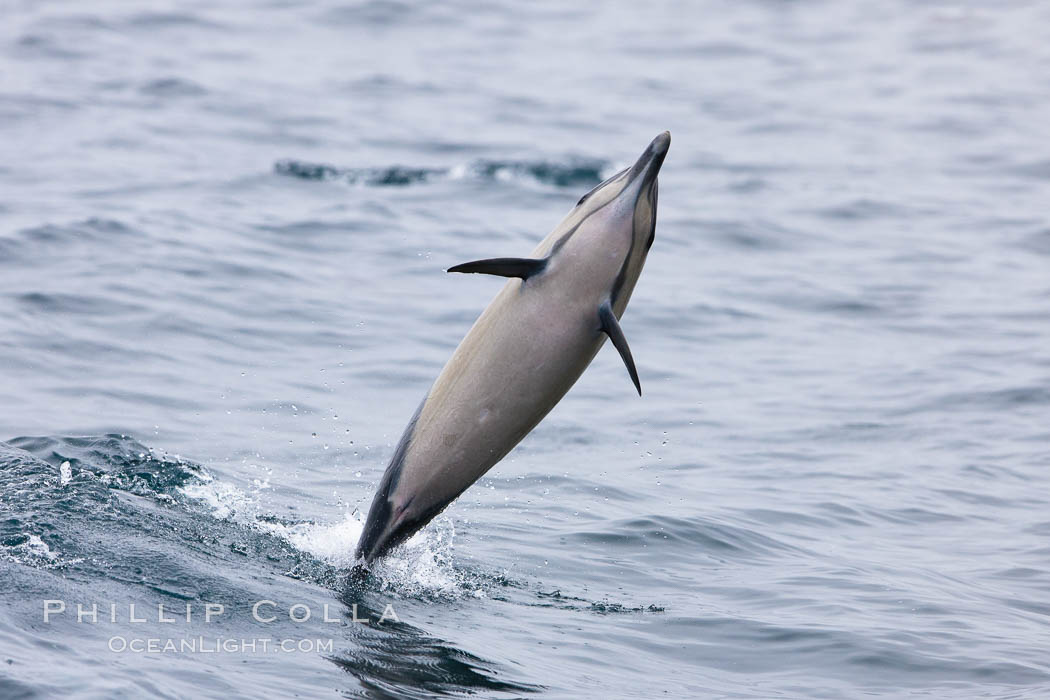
[
  {"x": 226, "y": 500},
  {"x": 333, "y": 544},
  {"x": 65, "y": 473},
  {"x": 36, "y": 547},
  {"x": 423, "y": 565}
]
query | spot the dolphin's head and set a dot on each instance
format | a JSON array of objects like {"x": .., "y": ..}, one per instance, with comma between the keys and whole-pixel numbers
[{"x": 624, "y": 208}]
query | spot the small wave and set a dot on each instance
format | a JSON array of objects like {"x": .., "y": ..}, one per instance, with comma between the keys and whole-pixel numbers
[
  {"x": 578, "y": 173},
  {"x": 658, "y": 533},
  {"x": 47, "y": 480},
  {"x": 112, "y": 460},
  {"x": 864, "y": 210},
  {"x": 557, "y": 599},
  {"x": 754, "y": 235},
  {"x": 30, "y": 243},
  {"x": 172, "y": 87},
  {"x": 46, "y": 46},
  {"x": 169, "y": 20},
  {"x": 1038, "y": 242},
  {"x": 382, "y": 13},
  {"x": 75, "y": 304},
  {"x": 1012, "y": 399}
]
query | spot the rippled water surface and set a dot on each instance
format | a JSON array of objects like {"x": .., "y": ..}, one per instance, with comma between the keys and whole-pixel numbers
[{"x": 223, "y": 235}]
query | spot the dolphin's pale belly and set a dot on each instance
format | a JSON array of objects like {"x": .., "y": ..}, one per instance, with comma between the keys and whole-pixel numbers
[{"x": 510, "y": 370}]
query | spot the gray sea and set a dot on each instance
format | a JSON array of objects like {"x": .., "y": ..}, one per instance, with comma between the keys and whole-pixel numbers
[{"x": 223, "y": 234}]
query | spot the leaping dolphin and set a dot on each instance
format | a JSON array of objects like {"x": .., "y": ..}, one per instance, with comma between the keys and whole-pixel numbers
[{"x": 523, "y": 353}]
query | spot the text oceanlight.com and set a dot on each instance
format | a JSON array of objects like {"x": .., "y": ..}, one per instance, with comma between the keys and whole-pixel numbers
[{"x": 218, "y": 645}]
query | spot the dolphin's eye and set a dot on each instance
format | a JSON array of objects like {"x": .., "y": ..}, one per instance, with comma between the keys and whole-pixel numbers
[{"x": 598, "y": 187}]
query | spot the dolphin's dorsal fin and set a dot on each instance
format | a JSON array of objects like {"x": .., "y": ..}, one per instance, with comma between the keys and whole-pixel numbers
[
  {"x": 504, "y": 267},
  {"x": 611, "y": 328}
]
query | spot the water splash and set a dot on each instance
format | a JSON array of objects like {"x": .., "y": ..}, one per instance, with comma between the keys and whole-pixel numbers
[
  {"x": 579, "y": 172},
  {"x": 31, "y": 550},
  {"x": 421, "y": 568}
]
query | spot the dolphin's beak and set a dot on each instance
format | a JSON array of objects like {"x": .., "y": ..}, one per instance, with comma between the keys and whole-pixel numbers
[
  {"x": 384, "y": 529},
  {"x": 647, "y": 167}
]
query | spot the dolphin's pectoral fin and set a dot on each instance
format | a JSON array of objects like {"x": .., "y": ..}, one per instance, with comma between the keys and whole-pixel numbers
[
  {"x": 504, "y": 267},
  {"x": 611, "y": 328}
]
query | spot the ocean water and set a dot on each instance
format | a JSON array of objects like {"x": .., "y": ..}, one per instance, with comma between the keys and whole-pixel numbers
[{"x": 223, "y": 235}]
